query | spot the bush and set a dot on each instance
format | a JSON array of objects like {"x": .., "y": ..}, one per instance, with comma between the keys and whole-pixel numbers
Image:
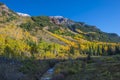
[
  {"x": 42, "y": 21},
  {"x": 72, "y": 71},
  {"x": 28, "y": 26}
]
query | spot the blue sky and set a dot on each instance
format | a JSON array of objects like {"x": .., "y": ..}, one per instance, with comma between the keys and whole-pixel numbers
[{"x": 105, "y": 14}]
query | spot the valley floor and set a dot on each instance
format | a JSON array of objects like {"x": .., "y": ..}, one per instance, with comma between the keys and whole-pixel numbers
[{"x": 96, "y": 68}]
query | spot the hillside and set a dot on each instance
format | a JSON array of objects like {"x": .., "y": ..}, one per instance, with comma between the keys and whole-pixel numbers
[
  {"x": 54, "y": 35},
  {"x": 46, "y": 47},
  {"x": 66, "y": 27},
  {"x": 91, "y": 33},
  {"x": 56, "y": 24}
]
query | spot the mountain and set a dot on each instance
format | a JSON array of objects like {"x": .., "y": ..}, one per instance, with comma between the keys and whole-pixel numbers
[
  {"x": 89, "y": 32},
  {"x": 30, "y": 45},
  {"x": 55, "y": 23},
  {"x": 56, "y": 36},
  {"x": 61, "y": 20}
]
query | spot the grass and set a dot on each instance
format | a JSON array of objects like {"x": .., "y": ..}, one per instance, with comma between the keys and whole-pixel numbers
[{"x": 99, "y": 68}]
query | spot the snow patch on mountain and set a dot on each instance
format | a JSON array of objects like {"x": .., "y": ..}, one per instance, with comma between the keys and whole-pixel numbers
[
  {"x": 23, "y": 14},
  {"x": 56, "y": 17}
]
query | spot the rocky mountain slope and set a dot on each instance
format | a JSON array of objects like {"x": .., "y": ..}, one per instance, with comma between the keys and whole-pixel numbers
[
  {"x": 91, "y": 33},
  {"x": 56, "y": 24},
  {"x": 6, "y": 15}
]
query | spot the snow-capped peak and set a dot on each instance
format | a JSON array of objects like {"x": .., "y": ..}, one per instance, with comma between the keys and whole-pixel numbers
[
  {"x": 23, "y": 14},
  {"x": 56, "y": 17}
]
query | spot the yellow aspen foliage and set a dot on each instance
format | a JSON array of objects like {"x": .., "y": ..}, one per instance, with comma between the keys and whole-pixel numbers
[
  {"x": 65, "y": 48},
  {"x": 62, "y": 39}
]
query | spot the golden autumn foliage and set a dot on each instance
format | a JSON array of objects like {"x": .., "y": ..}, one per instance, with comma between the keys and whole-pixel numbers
[
  {"x": 16, "y": 33},
  {"x": 19, "y": 43},
  {"x": 14, "y": 42},
  {"x": 62, "y": 39}
]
